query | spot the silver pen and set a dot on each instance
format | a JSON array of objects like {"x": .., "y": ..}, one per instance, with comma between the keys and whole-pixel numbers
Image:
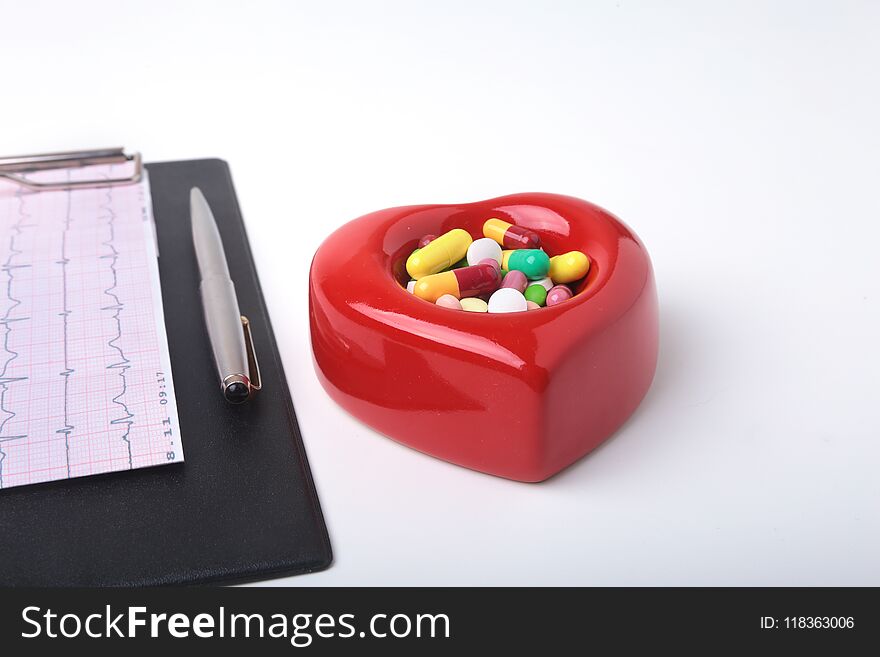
[{"x": 228, "y": 329}]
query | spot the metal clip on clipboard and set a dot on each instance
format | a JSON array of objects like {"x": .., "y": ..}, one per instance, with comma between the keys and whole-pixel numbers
[{"x": 14, "y": 168}]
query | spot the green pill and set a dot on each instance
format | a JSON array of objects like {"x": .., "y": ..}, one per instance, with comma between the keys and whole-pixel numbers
[
  {"x": 536, "y": 293},
  {"x": 534, "y": 263}
]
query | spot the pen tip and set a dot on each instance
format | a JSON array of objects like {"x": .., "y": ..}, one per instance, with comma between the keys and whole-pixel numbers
[{"x": 236, "y": 393}]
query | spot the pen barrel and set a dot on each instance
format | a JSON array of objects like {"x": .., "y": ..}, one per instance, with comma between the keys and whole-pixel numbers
[{"x": 223, "y": 321}]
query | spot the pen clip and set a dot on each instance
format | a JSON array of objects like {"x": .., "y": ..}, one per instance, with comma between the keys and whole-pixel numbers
[{"x": 256, "y": 382}]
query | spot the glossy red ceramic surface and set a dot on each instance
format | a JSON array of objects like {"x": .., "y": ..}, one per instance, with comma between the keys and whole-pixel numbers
[{"x": 518, "y": 395}]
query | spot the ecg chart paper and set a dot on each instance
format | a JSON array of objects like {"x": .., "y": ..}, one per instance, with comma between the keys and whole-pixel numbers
[{"x": 85, "y": 375}]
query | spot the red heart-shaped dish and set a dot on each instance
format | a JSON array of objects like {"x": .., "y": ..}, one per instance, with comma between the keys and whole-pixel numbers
[{"x": 518, "y": 395}]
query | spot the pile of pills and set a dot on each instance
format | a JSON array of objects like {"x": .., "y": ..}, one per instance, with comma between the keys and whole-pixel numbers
[{"x": 505, "y": 271}]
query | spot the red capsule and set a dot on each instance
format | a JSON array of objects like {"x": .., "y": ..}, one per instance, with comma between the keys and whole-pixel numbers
[
  {"x": 492, "y": 262},
  {"x": 510, "y": 236},
  {"x": 472, "y": 281},
  {"x": 477, "y": 279}
]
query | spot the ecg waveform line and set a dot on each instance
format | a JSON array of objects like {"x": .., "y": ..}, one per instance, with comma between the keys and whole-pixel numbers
[
  {"x": 85, "y": 379},
  {"x": 65, "y": 314},
  {"x": 9, "y": 267},
  {"x": 123, "y": 364}
]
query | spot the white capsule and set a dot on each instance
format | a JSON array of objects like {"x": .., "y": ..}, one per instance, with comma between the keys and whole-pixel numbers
[
  {"x": 547, "y": 282},
  {"x": 507, "y": 300},
  {"x": 483, "y": 248},
  {"x": 411, "y": 287}
]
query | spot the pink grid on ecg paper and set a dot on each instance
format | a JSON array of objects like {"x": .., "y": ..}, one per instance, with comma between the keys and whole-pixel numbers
[{"x": 85, "y": 379}]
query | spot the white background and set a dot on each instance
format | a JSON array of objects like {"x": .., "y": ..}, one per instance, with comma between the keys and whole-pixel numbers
[{"x": 740, "y": 140}]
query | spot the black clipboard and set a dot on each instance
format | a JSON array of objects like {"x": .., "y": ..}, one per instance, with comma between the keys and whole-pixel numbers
[{"x": 242, "y": 505}]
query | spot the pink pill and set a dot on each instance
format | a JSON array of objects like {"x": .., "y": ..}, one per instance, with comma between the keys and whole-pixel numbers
[
  {"x": 426, "y": 240},
  {"x": 558, "y": 294},
  {"x": 531, "y": 305},
  {"x": 449, "y": 301},
  {"x": 515, "y": 279}
]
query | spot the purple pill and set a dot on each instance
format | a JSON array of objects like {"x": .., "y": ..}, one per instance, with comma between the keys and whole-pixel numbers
[
  {"x": 558, "y": 294},
  {"x": 515, "y": 279},
  {"x": 426, "y": 240}
]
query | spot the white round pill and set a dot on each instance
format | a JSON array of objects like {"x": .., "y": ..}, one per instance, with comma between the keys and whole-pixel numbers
[
  {"x": 547, "y": 282},
  {"x": 483, "y": 248},
  {"x": 411, "y": 287},
  {"x": 507, "y": 300}
]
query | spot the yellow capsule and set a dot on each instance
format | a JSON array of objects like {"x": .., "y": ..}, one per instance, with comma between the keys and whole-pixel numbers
[
  {"x": 569, "y": 267},
  {"x": 439, "y": 254}
]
